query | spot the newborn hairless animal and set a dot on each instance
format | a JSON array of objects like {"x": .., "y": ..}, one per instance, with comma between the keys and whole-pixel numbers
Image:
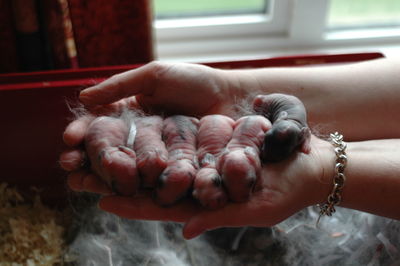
[
  {"x": 215, "y": 131},
  {"x": 110, "y": 155},
  {"x": 240, "y": 164},
  {"x": 171, "y": 167},
  {"x": 152, "y": 155},
  {"x": 179, "y": 134},
  {"x": 289, "y": 126}
]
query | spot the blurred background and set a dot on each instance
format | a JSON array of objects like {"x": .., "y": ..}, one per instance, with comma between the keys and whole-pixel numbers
[
  {"x": 341, "y": 13},
  {"x": 210, "y": 29},
  {"x": 60, "y": 34}
]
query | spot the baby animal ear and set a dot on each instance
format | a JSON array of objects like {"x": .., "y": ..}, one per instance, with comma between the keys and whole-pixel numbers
[
  {"x": 281, "y": 116},
  {"x": 258, "y": 104},
  {"x": 305, "y": 136}
]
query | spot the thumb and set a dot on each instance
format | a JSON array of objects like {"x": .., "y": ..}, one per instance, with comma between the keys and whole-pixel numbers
[
  {"x": 234, "y": 215},
  {"x": 136, "y": 81},
  {"x": 75, "y": 132}
]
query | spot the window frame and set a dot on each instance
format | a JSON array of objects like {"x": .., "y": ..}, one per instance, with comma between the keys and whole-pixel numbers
[{"x": 208, "y": 38}]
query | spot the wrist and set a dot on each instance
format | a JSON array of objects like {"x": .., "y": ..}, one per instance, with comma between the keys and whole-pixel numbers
[
  {"x": 322, "y": 183},
  {"x": 241, "y": 83}
]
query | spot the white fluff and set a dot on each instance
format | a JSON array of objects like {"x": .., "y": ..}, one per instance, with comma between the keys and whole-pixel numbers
[{"x": 347, "y": 238}]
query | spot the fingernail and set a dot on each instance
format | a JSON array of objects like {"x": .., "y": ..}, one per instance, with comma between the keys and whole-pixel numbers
[{"x": 84, "y": 97}]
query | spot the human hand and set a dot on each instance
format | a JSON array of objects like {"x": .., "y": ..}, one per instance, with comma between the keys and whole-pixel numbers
[
  {"x": 172, "y": 88},
  {"x": 178, "y": 88},
  {"x": 285, "y": 188}
]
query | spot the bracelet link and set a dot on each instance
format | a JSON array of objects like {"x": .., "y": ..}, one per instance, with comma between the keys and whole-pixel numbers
[{"x": 335, "y": 197}]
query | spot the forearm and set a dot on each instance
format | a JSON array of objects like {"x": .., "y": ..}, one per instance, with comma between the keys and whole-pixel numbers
[
  {"x": 372, "y": 177},
  {"x": 360, "y": 100}
]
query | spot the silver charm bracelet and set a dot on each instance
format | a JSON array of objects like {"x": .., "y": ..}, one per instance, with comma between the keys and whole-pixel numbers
[{"x": 335, "y": 197}]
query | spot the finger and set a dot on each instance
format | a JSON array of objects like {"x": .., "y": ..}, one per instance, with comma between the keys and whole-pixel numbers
[
  {"x": 151, "y": 104},
  {"x": 72, "y": 159},
  {"x": 232, "y": 215},
  {"x": 92, "y": 183},
  {"x": 115, "y": 108},
  {"x": 142, "y": 207},
  {"x": 120, "y": 86},
  {"x": 82, "y": 180},
  {"x": 265, "y": 208},
  {"x": 74, "y": 180},
  {"x": 76, "y": 130}
]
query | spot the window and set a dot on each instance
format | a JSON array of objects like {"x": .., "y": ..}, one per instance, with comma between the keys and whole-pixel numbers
[
  {"x": 363, "y": 13},
  {"x": 214, "y": 29},
  {"x": 364, "y": 21},
  {"x": 182, "y": 8}
]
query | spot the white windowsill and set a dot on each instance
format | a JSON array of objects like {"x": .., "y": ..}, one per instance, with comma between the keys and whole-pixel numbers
[
  {"x": 207, "y": 21},
  {"x": 296, "y": 27},
  {"x": 274, "y": 44}
]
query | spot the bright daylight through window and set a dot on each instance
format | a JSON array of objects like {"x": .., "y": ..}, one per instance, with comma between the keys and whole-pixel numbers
[
  {"x": 364, "y": 13},
  {"x": 187, "y": 30},
  {"x": 180, "y": 8}
]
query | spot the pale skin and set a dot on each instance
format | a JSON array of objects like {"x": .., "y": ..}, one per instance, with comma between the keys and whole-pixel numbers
[
  {"x": 361, "y": 101},
  {"x": 337, "y": 97}
]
